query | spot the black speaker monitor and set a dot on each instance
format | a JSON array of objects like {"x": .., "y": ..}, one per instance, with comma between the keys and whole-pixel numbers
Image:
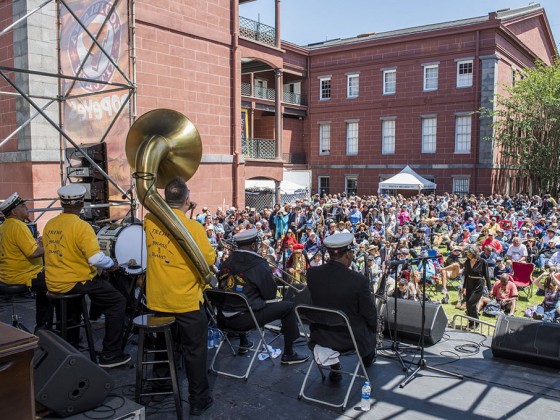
[
  {"x": 526, "y": 340},
  {"x": 409, "y": 320},
  {"x": 66, "y": 381}
]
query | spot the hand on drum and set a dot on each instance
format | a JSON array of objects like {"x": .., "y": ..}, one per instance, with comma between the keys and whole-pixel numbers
[{"x": 113, "y": 268}]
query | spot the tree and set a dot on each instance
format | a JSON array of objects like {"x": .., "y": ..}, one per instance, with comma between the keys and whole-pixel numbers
[{"x": 527, "y": 126}]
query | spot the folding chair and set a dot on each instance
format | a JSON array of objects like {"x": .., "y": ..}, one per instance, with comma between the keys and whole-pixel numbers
[
  {"x": 316, "y": 315},
  {"x": 218, "y": 299},
  {"x": 522, "y": 277}
]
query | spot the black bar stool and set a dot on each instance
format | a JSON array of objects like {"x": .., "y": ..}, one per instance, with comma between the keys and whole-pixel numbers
[
  {"x": 61, "y": 325},
  {"x": 10, "y": 292},
  {"x": 155, "y": 324}
]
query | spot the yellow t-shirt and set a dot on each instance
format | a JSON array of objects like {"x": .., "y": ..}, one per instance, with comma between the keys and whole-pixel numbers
[
  {"x": 69, "y": 242},
  {"x": 16, "y": 244},
  {"x": 172, "y": 281}
]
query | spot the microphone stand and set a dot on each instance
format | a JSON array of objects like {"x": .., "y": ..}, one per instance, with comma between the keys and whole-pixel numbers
[
  {"x": 394, "y": 347},
  {"x": 422, "y": 363}
]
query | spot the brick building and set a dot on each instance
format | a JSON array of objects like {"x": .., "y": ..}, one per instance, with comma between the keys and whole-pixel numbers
[{"x": 340, "y": 115}]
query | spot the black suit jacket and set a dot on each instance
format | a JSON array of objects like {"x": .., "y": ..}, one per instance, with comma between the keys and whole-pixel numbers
[{"x": 335, "y": 286}]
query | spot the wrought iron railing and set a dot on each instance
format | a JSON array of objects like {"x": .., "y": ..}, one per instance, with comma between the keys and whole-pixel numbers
[
  {"x": 257, "y": 31},
  {"x": 264, "y": 93},
  {"x": 258, "y": 148},
  {"x": 270, "y": 94},
  {"x": 294, "y": 98}
]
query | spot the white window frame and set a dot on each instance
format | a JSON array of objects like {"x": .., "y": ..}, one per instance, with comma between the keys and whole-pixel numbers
[
  {"x": 324, "y": 138},
  {"x": 427, "y": 86},
  {"x": 465, "y": 80},
  {"x": 388, "y": 136},
  {"x": 348, "y": 178},
  {"x": 323, "y": 92},
  {"x": 319, "y": 179},
  {"x": 387, "y": 84},
  {"x": 352, "y": 137},
  {"x": 261, "y": 86},
  {"x": 461, "y": 184},
  {"x": 463, "y": 133},
  {"x": 352, "y": 85},
  {"x": 429, "y": 133}
]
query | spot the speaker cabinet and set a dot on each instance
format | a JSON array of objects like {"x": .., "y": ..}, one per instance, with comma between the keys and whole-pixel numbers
[
  {"x": 409, "y": 320},
  {"x": 66, "y": 381},
  {"x": 527, "y": 341}
]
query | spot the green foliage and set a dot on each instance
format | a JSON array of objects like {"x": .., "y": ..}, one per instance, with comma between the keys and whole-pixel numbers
[{"x": 527, "y": 126}]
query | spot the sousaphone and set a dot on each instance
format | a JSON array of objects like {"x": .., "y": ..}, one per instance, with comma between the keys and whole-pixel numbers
[{"x": 161, "y": 145}]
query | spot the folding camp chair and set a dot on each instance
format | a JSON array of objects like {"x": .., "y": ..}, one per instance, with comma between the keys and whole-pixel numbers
[
  {"x": 522, "y": 277},
  {"x": 315, "y": 315},
  {"x": 219, "y": 299}
]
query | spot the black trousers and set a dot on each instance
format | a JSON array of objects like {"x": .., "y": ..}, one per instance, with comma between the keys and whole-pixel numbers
[
  {"x": 113, "y": 305},
  {"x": 191, "y": 332},
  {"x": 39, "y": 287},
  {"x": 472, "y": 297},
  {"x": 272, "y": 311}
]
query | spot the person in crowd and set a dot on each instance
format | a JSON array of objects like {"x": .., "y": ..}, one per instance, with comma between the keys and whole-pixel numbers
[
  {"x": 174, "y": 286},
  {"x": 248, "y": 273},
  {"x": 492, "y": 242},
  {"x": 517, "y": 251},
  {"x": 72, "y": 258},
  {"x": 334, "y": 286},
  {"x": 475, "y": 278},
  {"x": 405, "y": 290},
  {"x": 549, "y": 309},
  {"x": 505, "y": 293},
  {"x": 490, "y": 255},
  {"x": 20, "y": 255}
]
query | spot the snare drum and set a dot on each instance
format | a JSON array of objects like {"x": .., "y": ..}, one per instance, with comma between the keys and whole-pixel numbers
[{"x": 126, "y": 244}]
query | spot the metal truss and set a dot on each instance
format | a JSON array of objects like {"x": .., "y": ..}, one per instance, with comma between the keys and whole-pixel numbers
[{"x": 127, "y": 86}]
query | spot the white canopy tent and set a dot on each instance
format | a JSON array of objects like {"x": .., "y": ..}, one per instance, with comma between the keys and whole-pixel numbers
[
  {"x": 286, "y": 187},
  {"x": 407, "y": 179}
]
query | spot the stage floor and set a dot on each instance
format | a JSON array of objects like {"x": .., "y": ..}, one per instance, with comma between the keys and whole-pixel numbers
[{"x": 491, "y": 388}]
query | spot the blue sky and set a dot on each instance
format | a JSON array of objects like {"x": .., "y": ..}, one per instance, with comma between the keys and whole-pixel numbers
[{"x": 308, "y": 21}]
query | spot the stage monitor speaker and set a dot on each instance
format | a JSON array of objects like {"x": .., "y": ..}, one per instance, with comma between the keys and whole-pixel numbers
[
  {"x": 409, "y": 320},
  {"x": 67, "y": 382},
  {"x": 527, "y": 341}
]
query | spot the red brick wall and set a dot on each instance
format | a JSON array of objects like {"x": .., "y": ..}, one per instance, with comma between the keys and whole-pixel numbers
[
  {"x": 531, "y": 33},
  {"x": 293, "y": 140}
]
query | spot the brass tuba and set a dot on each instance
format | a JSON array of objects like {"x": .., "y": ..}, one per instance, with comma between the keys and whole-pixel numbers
[{"x": 161, "y": 145}]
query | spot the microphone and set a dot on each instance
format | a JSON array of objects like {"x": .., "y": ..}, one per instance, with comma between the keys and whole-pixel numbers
[{"x": 395, "y": 263}]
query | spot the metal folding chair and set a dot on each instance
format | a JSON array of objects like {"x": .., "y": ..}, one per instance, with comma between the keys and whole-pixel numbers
[
  {"x": 218, "y": 299},
  {"x": 315, "y": 315}
]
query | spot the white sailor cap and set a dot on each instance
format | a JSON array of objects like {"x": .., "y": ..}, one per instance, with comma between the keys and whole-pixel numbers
[
  {"x": 11, "y": 203},
  {"x": 246, "y": 237},
  {"x": 72, "y": 193},
  {"x": 340, "y": 242}
]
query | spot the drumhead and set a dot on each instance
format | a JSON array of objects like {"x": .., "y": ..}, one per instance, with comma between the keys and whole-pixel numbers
[{"x": 130, "y": 249}]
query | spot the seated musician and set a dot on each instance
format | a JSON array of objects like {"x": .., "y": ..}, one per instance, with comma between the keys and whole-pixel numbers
[
  {"x": 72, "y": 257},
  {"x": 20, "y": 255},
  {"x": 333, "y": 285},
  {"x": 245, "y": 271}
]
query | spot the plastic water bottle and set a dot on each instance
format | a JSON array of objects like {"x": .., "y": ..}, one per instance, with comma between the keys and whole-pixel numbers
[
  {"x": 366, "y": 397},
  {"x": 217, "y": 337},
  {"x": 210, "y": 338}
]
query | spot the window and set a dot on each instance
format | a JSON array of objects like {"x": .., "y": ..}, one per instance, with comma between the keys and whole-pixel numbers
[
  {"x": 353, "y": 85},
  {"x": 325, "y": 139},
  {"x": 513, "y": 77},
  {"x": 388, "y": 137},
  {"x": 461, "y": 185},
  {"x": 352, "y": 138},
  {"x": 325, "y": 88},
  {"x": 351, "y": 185},
  {"x": 261, "y": 88},
  {"x": 463, "y": 134},
  {"x": 464, "y": 73},
  {"x": 429, "y": 131},
  {"x": 431, "y": 77},
  {"x": 389, "y": 82},
  {"x": 324, "y": 185}
]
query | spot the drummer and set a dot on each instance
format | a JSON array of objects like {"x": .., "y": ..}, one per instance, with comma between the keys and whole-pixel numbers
[{"x": 72, "y": 257}]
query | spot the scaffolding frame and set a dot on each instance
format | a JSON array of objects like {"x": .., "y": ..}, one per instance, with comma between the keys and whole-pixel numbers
[{"x": 129, "y": 86}]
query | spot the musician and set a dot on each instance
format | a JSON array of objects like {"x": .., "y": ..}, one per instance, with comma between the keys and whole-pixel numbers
[
  {"x": 20, "y": 255},
  {"x": 247, "y": 271},
  {"x": 174, "y": 286},
  {"x": 334, "y": 286},
  {"x": 72, "y": 258}
]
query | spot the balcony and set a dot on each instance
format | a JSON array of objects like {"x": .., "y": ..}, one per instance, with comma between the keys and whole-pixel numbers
[
  {"x": 270, "y": 94},
  {"x": 257, "y": 31},
  {"x": 258, "y": 148}
]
